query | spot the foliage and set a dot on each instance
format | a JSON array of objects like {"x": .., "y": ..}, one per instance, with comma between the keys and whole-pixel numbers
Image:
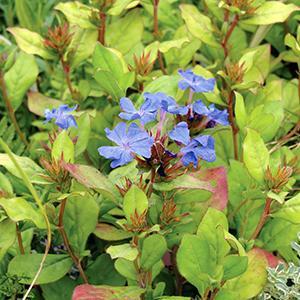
[{"x": 149, "y": 149}]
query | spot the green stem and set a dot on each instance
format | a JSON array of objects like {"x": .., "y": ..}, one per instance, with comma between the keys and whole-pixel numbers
[{"x": 41, "y": 207}]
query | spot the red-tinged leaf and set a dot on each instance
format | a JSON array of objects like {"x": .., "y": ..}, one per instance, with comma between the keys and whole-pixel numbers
[
  {"x": 104, "y": 292},
  {"x": 90, "y": 177},
  {"x": 218, "y": 178},
  {"x": 272, "y": 260}
]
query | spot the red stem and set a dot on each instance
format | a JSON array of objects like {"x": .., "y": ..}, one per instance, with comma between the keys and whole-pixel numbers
[
  {"x": 102, "y": 28},
  {"x": 63, "y": 233},
  {"x": 228, "y": 34},
  {"x": 263, "y": 219},
  {"x": 19, "y": 237}
]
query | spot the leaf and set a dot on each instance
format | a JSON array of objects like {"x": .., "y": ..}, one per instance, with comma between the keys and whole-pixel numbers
[
  {"x": 120, "y": 5},
  {"x": 240, "y": 111},
  {"x": 84, "y": 129},
  {"x": 126, "y": 32},
  {"x": 250, "y": 283},
  {"x": 198, "y": 24},
  {"x": 77, "y": 14},
  {"x": 30, "y": 42},
  {"x": 217, "y": 177},
  {"x": 234, "y": 266},
  {"x": 151, "y": 255},
  {"x": 20, "y": 78},
  {"x": 106, "y": 292},
  {"x": 18, "y": 209},
  {"x": 122, "y": 251},
  {"x": 63, "y": 147},
  {"x": 37, "y": 103},
  {"x": 80, "y": 220},
  {"x": 135, "y": 200},
  {"x": 272, "y": 260},
  {"x": 108, "y": 274},
  {"x": 108, "y": 232},
  {"x": 167, "y": 45},
  {"x": 32, "y": 170},
  {"x": 60, "y": 289},
  {"x": 126, "y": 268},
  {"x": 184, "y": 182},
  {"x": 92, "y": 178},
  {"x": 7, "y": 237},
  {"x": 26, "y": 266},
  {"x": 82, "y": 45},
  {"x": 195, "y": 262},
  {"x": 290, "y": 210},
  {"x": 108, "y": 83},
  {"x": 271, "y": 12},
  {"x": 256, "y": 155}
]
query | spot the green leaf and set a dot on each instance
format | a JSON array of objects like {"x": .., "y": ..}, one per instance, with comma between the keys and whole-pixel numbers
[
  {"x": 108, "y": 274},
  {"x": 108, "y": 83},
  {"x": 126, "y": 268},
  {"x": 26, "y": 266},
  {"x": 80, "y": 220},
  {"x": 240, "y": 111},
  {"x": 271, "y": 12},
  {"x": 18, "y": 209},
  {"x": 135, "y": 200},
  {"x": 290, "y": 210},
  {"x": 106, "y": 292},
  {"x": 84, "y": 129},
  {"x": 78, "y": 14},
  {"x": 63, "y": 147},
  {"x": 122, "y": 251},
  {"x": 153, "y": 249},
  {"x": 82, "y": 45},
  {"x": 251, "y": 282},
  {"x": 30, "y": 42},
  {"x": 256, "y": 155},
  {"x": 126, "y": 32},
  {"x": 120, "y": 5},
  {"x": 108, "y": 232},
  {"x": 8, "y": 235},
  {"x": 20, "y": 78},
  {"x": 196, "y": 263},
  {"x": 32, "y": 170},
  {"x": 92, "y": 178},
  {"x": 198, "y": 24},
  {"x": 60, "y": 289},
  {"x": 234, "y": 266},
  {"x": 167, "y": 45},
  {"x": 37, "y": 103}
]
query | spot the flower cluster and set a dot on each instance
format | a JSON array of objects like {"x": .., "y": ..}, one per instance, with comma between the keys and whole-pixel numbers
[
  {"x": 62, "y": 116},
  {"x": 150, "y": 148}
]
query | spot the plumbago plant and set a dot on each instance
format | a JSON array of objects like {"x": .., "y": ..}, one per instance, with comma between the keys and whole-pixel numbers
[{"x": 149, "y": 149}]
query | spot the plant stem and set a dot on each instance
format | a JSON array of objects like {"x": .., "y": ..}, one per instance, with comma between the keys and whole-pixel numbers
[
  {"x": 19, "y": 237},
  {"x": 64, "y": 236},
  {"x": 263, "y": 219},
  {"x": 10, "y": 110},
  {"x": 228, "y": 34},
  {"x": 178, "y": 277},
  {"x": 102, "y": 28},
  {"x": 233, "y": 126},
  {"x": 66, "y": 69}
]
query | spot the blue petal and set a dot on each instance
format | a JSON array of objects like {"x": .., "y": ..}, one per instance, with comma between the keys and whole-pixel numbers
[
  {"x": 204, "y": 85},
  {"x": 118, "y": 134},
  {"x": 180, "y": 133},
  {"x": 189, "y": 158},
  {"x": 127, "y": 106},
  {"x": 126, "y": 157},
  {"x": 119, "y": 155},
  {"x": 200, "y": 108}
]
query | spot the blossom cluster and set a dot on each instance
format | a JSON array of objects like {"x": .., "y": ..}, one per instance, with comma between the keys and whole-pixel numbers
[{"x": 150, "y": 147}]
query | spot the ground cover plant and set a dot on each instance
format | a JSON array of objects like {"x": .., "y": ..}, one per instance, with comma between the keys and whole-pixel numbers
[{"x": 149, "y": 149}]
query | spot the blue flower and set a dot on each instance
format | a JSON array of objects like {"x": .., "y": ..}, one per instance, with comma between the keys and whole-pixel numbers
[
  {"x": 132, "y": 140},
  {"x": 201, "y": 147},
  {"x": 180, "y": 133},
  {"x": 197, "y": 83},
  {"x": 147, "y": 112},
  {"x": 211, "y": 112},
  {"x": 62, "y": 116}
]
